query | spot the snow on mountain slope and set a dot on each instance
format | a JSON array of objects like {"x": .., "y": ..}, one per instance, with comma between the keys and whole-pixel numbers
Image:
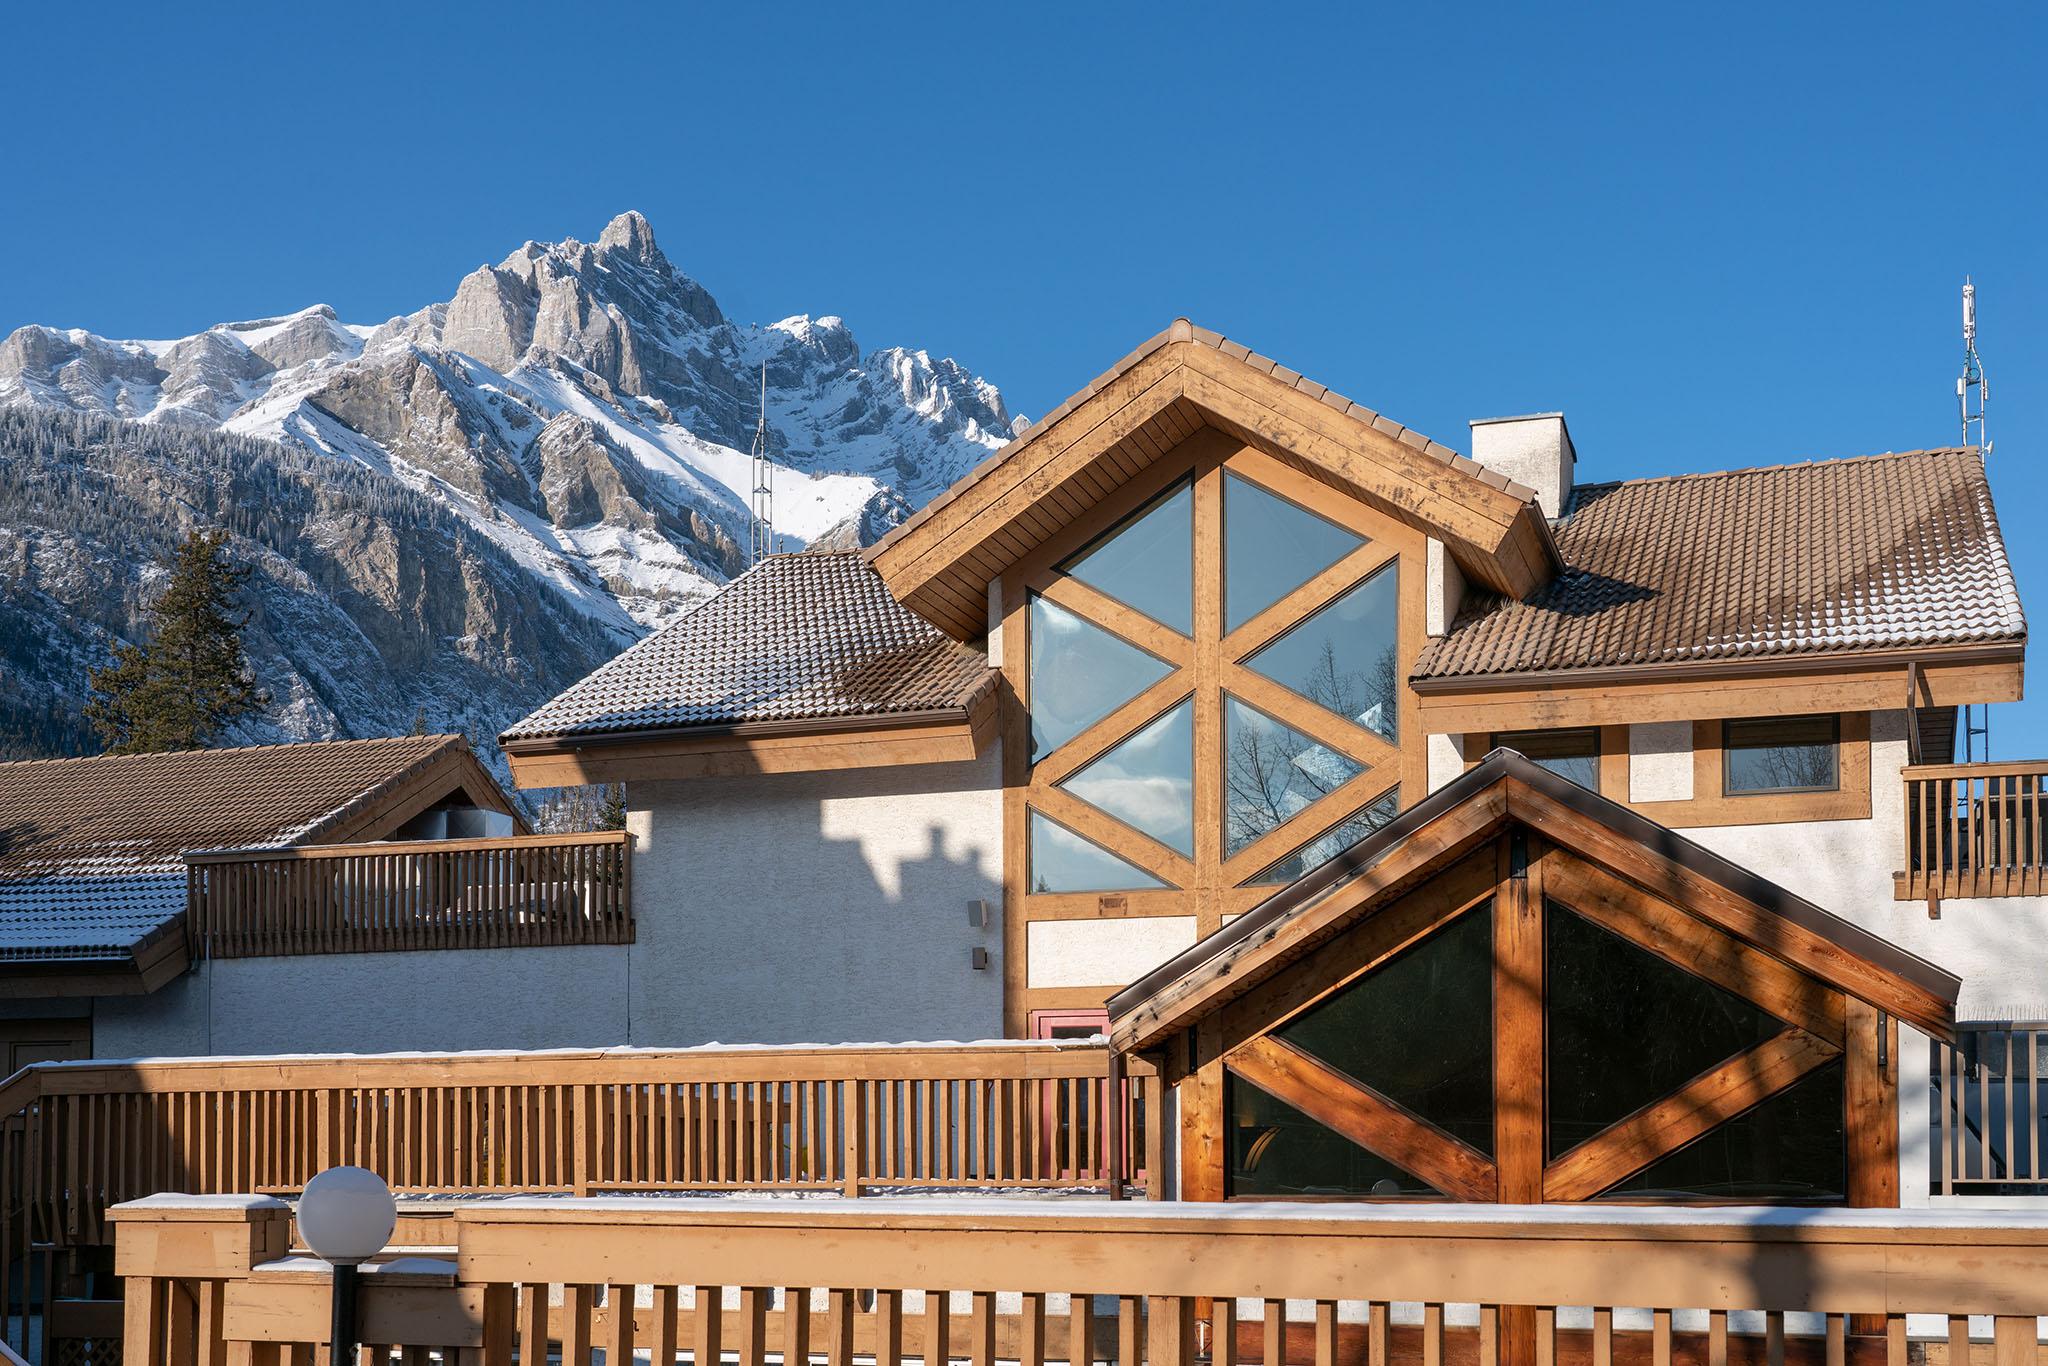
[{"x": 586, "y": 406}]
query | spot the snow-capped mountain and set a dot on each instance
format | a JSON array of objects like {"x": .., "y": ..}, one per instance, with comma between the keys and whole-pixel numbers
[{"x": 586, "y": 406}]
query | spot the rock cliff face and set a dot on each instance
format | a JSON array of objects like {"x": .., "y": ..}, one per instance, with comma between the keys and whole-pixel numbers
[
  {"x": 586, "y": 405},
  {"x": 459, "y": 510}
]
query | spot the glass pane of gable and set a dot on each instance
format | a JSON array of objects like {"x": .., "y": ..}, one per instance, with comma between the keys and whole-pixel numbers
[
  {"x": 1270, "y": 548},
  {"x": 1270, "y": 772},
  {"x": 1625, "y": 1027},
  {"x": 1062, "y": 861},
  {"x": 1276, "y": 1150},
  {"x": 1345, "y": 656},
  {"x": 1330, "y": 843},
  {"x": 1148, "y": 562},
  {"x": 1148, "y": 780},
  {"x": 1418, "y": 1029},
  {"x": 1793, "y": 1147},
  {"x": 1080, "y": 673}
]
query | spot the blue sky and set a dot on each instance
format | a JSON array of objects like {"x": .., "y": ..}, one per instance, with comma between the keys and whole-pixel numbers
[{"x": 1713, "y": 236}]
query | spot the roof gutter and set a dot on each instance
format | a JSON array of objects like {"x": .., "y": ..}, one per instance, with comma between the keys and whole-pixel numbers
[
  {"x": 739, "y": 730},
  {"x": 2004, "y": 652}
]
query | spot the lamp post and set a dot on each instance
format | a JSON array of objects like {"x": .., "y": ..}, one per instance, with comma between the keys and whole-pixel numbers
[{"x": 346, "y": 1215}]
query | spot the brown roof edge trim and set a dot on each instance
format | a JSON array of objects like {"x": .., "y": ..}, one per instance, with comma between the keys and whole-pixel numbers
[
  {"x": 744, "y": 730},
  {"x": 2003, "y": 652},
  {"x": 1497, "y": 767}
]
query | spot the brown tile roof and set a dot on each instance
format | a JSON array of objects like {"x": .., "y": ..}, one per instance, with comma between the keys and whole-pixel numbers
[
  {"x": 796, "y": 638},
  {"x": 91, "y": 849},
  {"x": 1181, "y": 330},
  {"x": 1873, "y": 553}
]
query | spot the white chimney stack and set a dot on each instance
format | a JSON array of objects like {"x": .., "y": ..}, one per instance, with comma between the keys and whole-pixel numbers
[{"x": 1534, "y": 449}]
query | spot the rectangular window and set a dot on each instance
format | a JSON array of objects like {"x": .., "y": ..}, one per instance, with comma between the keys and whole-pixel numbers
[
  {"x": 1781, "y": 754},
  {"x": 1573, "y": 754}
]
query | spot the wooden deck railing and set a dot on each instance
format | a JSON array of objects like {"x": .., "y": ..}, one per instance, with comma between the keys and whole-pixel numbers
[
  {"x": 1035, "y": 1282},
  {"x": 1989, "y": 1111},
  {"x": 425, "y": 894},
  {"x": 1974, "y": 830}
]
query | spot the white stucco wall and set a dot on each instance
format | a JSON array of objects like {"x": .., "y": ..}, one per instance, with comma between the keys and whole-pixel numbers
[
  {"x": 1999, "y": 947},
  {"x": 1102, "y": 953},
  {"x": 1660, "y": 761},
  {"x": 376, "y": 1003},
  {"x": 1446, "y": 760},
  {"x": 824, "y": 907}
]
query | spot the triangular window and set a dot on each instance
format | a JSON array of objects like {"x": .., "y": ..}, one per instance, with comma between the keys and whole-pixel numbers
[
  {"x": 1626, "y": 1027},
  {"x": 1418, "y": 1029},
  {"x": 1270, "y": 772},
  {"x": 1270, "y": 548},
  {"x": 1346, "y": 657},
  {"x": 1791, "y": 1148},
  {"x": 1330, "y": 843},
  {"x": 1148, "y": 562},
  {"x": 1276, "y": 1150},
  {"x": 1080, "y": 673},
  {"x": 1062, "y": 861},
  {"x": 1148, "y": 780}
]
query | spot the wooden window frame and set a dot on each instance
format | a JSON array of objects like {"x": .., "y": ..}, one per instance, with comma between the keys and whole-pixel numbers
[
  {"x": 1834, "y": 742},
  {"x": 1205, "y": 666}
]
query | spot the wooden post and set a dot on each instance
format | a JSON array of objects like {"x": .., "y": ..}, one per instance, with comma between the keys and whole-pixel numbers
[
  {"x": 1518, "y": 1052},
  {"x": 1117, "y": 1138},
  {"x": 853, "y": 1114}
]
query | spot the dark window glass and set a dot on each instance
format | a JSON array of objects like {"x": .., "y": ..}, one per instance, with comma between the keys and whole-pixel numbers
[
  {"x": 1781, "y": 754},
  {"x": 1148, "y": 780},
  {"x": 1331, "y": 842},
  {"x": 1270, "y": 548},
  {"x": 1625, "y": 1027},
  {"x": 1062, "y": 861},
  {"x": 1419, "y": 1029},
  {"x": 1148, "y": 561},
  {"x": 1275, "y": 1150},
  {"x": 1080, "y": 673},
  {"x": 1270, "y": 772},
  {"x": 1573, "y": 754},
  {"x": 1790, "y": 1148}
]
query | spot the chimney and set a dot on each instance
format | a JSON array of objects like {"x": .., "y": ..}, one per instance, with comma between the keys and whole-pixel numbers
[{"x": 1534, "y": 449}]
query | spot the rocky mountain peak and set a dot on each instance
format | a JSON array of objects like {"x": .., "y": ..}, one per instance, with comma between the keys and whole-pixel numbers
[{"x": 631, "y": 235}]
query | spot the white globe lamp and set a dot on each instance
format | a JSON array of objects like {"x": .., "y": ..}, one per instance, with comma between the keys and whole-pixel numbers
[{"x": 346, "y": 1215}]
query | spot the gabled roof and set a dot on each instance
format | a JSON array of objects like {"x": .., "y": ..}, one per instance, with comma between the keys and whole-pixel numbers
[
  {"x": 806, "y": 637},
  {"x": 1884, "y": 552},
  {"x": 939, "y": 562},
  {"x": 1454, "y": 820},
  {"x": 91, "y": 849}
]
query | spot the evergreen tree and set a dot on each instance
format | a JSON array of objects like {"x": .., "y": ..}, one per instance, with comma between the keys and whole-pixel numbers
[
  {"x": 183, "y": 688},
  {"x": 612, "y": 814}
]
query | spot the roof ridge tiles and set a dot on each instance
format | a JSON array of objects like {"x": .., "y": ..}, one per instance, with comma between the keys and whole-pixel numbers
[{"x": 1817, "y": 462}]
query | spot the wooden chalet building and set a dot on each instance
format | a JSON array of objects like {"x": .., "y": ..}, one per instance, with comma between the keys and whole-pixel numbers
[{"x": 1186, "y": 698}]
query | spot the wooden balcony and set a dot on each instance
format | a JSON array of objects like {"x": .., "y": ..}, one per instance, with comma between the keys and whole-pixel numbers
[
  {"x": 529, "y": 890},
  {"x": 1974, "y": 830},
  {"x": 988, "y": 1282}
]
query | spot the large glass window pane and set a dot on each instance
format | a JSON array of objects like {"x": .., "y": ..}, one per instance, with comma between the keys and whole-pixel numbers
[
  {"x": 1626, "y": 1027},
  {"x": 1419, "y": 1029},
  {"x": 1330, "y": 843},
  {"x": 1344, "y": 657},
  {"x": 1270, "y": 548},
  {"x": 1793, "y": 1147},
  {"x": 1782, "y": 754},
  {"x": 1148, "y": 562},
  {"x": 1080, "y": 673},
  {"x": 1270, "y": 772},
  {"x": 1276, "y": 1150},
  {"x": 1148, "y": 780},
  {"x": 1573, "y": 754},
  {"x": 1062, "y": 861}
]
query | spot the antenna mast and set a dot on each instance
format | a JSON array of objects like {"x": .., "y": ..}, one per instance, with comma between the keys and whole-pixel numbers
[
  {"x": 1971, "y": 393},
  {"x": 1971, "y": 390},
  {"x": 761, "y": 527}
]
